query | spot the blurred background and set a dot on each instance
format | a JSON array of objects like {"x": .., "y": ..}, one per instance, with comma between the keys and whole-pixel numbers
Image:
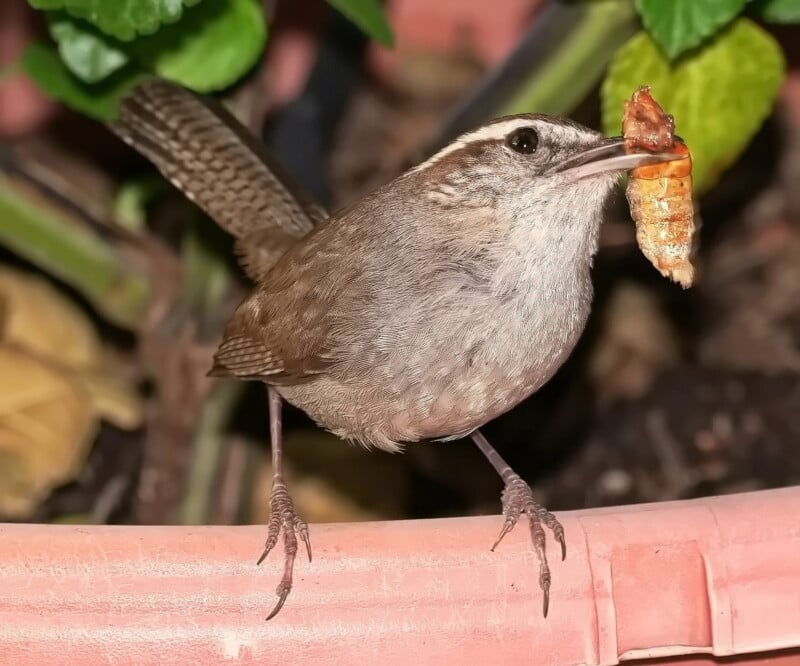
[{"x": 114, "y": 289}]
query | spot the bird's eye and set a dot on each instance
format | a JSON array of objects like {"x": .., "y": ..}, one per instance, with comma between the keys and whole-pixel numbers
[{"x": 523, "y": 140}]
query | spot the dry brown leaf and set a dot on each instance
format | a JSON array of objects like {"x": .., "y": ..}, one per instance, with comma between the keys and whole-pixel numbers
[
  {"x": 113, "y": 400},
  {"x": 39, "y": 318},
  {"x": 46, "y": 426},
  {"x": 36, "y": 316}
]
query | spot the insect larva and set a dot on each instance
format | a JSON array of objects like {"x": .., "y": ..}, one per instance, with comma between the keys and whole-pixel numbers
[{"x": 660, "y": 195}]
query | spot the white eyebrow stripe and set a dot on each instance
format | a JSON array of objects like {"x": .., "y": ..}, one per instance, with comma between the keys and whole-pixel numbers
[{"x": 497, "y": 131}]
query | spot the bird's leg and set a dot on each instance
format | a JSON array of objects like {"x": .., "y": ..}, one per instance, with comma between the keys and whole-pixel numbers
[
  {"x": 518, "y": 499},
  {"x": 282, "y": 515}
]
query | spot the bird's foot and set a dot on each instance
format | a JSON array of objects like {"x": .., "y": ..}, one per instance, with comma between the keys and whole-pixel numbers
[
  {"x": 282, "y": 517},
  {"x": 518, "y": 499}
]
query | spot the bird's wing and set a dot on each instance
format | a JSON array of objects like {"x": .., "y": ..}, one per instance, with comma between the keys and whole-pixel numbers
[
  {"x": 289, "y": 330},
  {"x": 217, "y": 163}
]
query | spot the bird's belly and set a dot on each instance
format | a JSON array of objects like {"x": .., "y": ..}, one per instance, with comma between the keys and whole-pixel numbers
[
  {"x": 442, "y": 386},
  {"x": 494, "y": 380}
]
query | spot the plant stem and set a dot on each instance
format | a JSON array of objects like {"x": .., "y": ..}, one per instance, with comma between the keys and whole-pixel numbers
[
  {"x": 208, "y": 449},
  {"x": 570, "y": 72},
  {"x": 207, "y": 283},
  {"x": 67, "y": 250}
]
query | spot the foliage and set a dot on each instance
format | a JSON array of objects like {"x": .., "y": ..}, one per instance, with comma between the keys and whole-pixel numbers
[
  {"x": 680, "y": 25},
  {"x": 123, "y": 19},
  {"x": 51, "y": 74},
  {"x": 689, "y": 52},
  {"x": 715, "y": 70},
  {"x": 104, "y": 48},
  {"x": 56, "y": 383},
  {"x": 368, "y": 16},
  {"x": 703, "y": 92}
]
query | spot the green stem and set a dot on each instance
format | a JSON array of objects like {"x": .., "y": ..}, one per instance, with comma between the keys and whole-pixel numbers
[
  {"x": 207, "y": 277},
  {"x": 571, "y": 71},
  {"x": 209, "y": 447},
  {"x": 70, "y": 252},
  {"x": 206, "y": 285}
]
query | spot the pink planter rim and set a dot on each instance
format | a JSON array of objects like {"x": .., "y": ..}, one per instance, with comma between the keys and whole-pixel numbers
[{"x": 714, "y": 576}]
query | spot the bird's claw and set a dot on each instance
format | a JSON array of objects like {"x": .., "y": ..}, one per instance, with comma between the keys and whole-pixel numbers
[
  {"x": 518, "y": 499},
  {"x": 283, "y": 518}
]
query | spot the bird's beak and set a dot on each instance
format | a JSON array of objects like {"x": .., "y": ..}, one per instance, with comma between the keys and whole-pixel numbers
[{"x": 609, "y": 156}]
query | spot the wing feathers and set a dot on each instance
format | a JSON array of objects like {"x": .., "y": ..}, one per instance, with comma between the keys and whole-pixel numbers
[
  {"x": 208, "y": 155},
  {"x": 243, "y": 357}
]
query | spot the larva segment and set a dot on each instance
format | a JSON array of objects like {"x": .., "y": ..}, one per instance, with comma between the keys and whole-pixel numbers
[{"x": 660, "y": 195}]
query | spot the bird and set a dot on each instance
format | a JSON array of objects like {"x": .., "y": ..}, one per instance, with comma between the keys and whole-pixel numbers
[{"x": 420, "y": 312}]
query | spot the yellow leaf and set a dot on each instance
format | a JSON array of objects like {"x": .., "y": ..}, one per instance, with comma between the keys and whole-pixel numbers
[
  {"x": 37, "y": 317},
  {"x": 113, "y": 400},
  {"x": 720, "y": 93},
  {"x": 46, "y": 427}
]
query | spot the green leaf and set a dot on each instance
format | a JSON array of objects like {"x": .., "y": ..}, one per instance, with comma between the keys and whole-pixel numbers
[
  {"x": 42, "y": 64},
  {"x": 131, "y": 201},
  {"x": 368, "y": 16},
  {"x": 679, "y": 25},
  {"x": 123, "y": 19},
  {"x": 211, "y": 48},
  {"x": 718, "y": 96},
  {"x": 778, "y": 11},
  {"x": 88, "y": 53}
]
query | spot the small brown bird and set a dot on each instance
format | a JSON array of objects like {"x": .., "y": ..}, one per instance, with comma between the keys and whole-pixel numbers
[{"x": 422, "y": 311}]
